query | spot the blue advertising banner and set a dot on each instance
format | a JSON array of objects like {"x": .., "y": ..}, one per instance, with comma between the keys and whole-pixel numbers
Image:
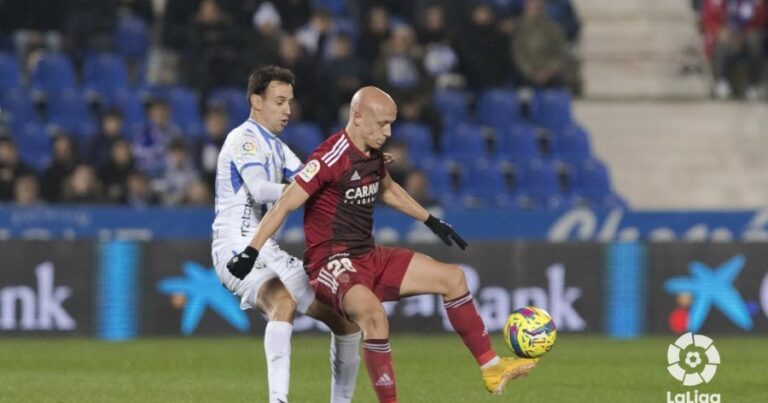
[{"x": 106, "y": 223}]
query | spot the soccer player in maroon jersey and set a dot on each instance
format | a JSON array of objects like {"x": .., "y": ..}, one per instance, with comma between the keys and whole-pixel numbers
[{"x": 339, "y": 184}]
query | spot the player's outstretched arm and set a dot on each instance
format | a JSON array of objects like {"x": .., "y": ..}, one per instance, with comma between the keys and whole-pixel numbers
[
  {"x": 292, "y": 198},
  {"x": 396, "y": 197}
]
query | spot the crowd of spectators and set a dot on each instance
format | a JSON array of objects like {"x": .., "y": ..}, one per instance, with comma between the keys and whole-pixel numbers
[
  {"x": 408, "y": 48},
  {"x": 734, "y": 33}
]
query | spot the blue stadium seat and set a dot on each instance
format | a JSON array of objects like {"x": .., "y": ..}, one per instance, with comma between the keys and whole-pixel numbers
[
  {"x": 465, "y": 142},
  {"x": 10, "y": 73},
  {"x": 69, "y": 111},
  {"x": 551, "y": 108},
  {"x": 130, "y": 104},
  {"x": 595, "y": 186},
  {"x": 132, "y": 36},
  {"x": 494, "y": 182},
  {"x": 573, "y": 145},
  {"x": 541, "y": 186},
  {"x": 498, "y": 108},
  {"x": 105, "y": 75},
  {"x": 417, "y": 138},
  {"x": 34, "y": 145},
  {"x": 303, "y": 137},
  {"x": 184, "y": 104},
  {"x": 518, "y": 143},
  {"x": 53, "y": 73},
  {"x": 452, "y": 106},
  {"x": 18, "y": 107},
  {"x": 235, "y": 103}
]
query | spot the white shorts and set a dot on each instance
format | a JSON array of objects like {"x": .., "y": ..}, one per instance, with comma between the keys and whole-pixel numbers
[{"x": 272, "y": 262}]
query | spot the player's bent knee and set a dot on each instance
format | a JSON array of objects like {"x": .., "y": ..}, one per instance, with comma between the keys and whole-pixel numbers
[
  {"x": 455, "y": 281},
  {"x": 276, "y": 302},
  {"x": 374, "y": 324}
]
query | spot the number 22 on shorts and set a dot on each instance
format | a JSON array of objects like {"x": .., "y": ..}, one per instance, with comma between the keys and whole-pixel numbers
[{"x": 335, "y": 271}]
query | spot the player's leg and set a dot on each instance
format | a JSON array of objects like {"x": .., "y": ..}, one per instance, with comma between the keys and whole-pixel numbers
[
  {"x": 362, "y": 306},
  {"x": 428, "y": 276},
  {"x": 345, "y": 337},
  {"x": 274, "y": 300},
  {"x": 345, "y": 351}
]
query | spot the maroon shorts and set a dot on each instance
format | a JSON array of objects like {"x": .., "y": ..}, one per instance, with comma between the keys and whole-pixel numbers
[{"x": 381, "y": 270}]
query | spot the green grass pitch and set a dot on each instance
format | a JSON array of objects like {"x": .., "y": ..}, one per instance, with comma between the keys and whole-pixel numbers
[{"x": 428, "y": 368}]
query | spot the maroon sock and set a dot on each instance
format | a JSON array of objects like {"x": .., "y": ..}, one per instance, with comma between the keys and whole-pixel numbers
[
  {"x": 464, "y": 318},
  {"x": 378, "y": 360}
]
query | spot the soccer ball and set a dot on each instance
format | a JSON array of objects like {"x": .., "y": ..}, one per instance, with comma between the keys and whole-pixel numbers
[{"x": 530, "y": 332}]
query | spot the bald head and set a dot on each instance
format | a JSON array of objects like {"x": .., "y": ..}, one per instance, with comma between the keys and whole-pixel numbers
[
  {"x": 372, "y": 112},
  {"x": 372, "y": 98}
]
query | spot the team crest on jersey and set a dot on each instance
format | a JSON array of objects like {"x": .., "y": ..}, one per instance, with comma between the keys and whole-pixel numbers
[
  {"x": 310, "y": 170},
  {"x": 248, "y": 148}
]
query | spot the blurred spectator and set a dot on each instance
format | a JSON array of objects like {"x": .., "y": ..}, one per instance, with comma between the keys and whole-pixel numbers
[
  {"x": 564, "y": 14},
  {"x": 416, "y": 109},
  {"x": 34, "y": 29},
  {"x": 90, "y": 25},
  {"x": 215, "y": 134},
  {"x": 114, "y": 173},
  {"x": 179, "y": 172},
  {"x": 62, "y": 165},
  {"x": 417, "y": 185},
  {"x": 11, "y": 168},
  {"x": 138, "y": 192},
  {"x": 215, "y": 45},
  {"x": 176, "y": 19},
  {"x": 439, "y": 57},
  {"x": 399, "y": 70},
  {"x": 539, "y": 47},
  {"x": 432, "y": 25},
  {"x": 314, "y": 35},
  {"x": 479, "y": 44},
  {"x": 82, "y": 187},
  {"x": 734, "y": 30},
  {"x": 27, "y": 191},
  {"x": 308, "y": 90},
  {"x": 401, "y": 164},
  {"x": 151, "y": 141},
  {"x": 376, "y": 30},
  {"x": 294, "y": 13},
  {"x": 197, "y": 193},
  {"x": 264, "y": 42},
  {"x": 111, "y": 131},
  {"x": 344, "y": 73}
]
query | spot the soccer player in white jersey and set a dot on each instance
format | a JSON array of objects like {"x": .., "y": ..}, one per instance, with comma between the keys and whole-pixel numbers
[{"x": 252, "y": 166}]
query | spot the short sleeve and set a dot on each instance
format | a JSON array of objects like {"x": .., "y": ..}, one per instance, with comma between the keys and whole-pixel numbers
[
  {"x": 247, "y": 154},
  {"x": 292, "y": 165},
  {"x": 314, "y": 176}
]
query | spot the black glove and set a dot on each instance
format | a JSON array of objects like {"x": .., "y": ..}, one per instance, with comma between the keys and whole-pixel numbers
[
  {"x": 241, "y": 264},
  {"x": 445, "y": 231}
]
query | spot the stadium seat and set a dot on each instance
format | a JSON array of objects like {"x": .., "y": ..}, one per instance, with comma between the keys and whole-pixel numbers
[
  {"x": 551, "y": 109},
  {"x": 498, "y": 108},
  {"x": 131, "y": 106},
  {"x": 541, "y": 188},
  {"x": 184, "y": 105},
  {"x": 452, "y": 106},
  {"x": 69, "y": 111},
  {"x": 465, "y": 142},
  {"x": 517, "y": 143},
  {"x": 105, "y": 75},
  {"x": 489, "y": 182},
  {"x": 132, "y": 36},
  {"x": 10, "y": 73},
  {"x": 34, "y": 145},
  {"x": 417, "y": 138},
  {"x": 235, "y": 103},
  {"x": 595, "y": 187},
  {"x": 450, "y": 182},
  {"x": 18, "y": 107},
  {"x": 53, "y": 73},
  {"x": 304, "y": 137},
  {"x": 573, "y": 145}
]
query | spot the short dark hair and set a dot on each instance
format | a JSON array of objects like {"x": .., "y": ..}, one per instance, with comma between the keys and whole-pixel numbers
[{"x": 260, "y": 79}]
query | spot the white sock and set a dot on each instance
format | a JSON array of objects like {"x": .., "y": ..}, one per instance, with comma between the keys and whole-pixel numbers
[
  {"x": 277, "y": 346},
  {"x": 345, "y": 361}
]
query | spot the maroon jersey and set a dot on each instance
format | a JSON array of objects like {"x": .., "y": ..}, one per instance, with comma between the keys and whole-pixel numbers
[{"x": 343, "y": 183}]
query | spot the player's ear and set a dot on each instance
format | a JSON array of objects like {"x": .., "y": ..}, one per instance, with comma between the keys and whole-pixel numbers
[{"x": 256, "y": 102}]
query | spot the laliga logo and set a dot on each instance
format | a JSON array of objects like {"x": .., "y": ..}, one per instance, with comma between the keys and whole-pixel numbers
[{"x": 689, "y": 351}]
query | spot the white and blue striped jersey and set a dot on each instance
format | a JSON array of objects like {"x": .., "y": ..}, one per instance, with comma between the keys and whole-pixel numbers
[{"x": 250, "y": 157}]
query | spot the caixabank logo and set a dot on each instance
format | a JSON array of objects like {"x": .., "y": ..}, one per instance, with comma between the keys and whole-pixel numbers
[
  {"x": 693, "y": 360},
  {"x": 710, "y": 288}
]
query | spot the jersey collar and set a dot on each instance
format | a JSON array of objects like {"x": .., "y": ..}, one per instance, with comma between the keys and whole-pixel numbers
[
  {"x": 262, "y": 129},
  {"x": 357, "y": 150}
]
